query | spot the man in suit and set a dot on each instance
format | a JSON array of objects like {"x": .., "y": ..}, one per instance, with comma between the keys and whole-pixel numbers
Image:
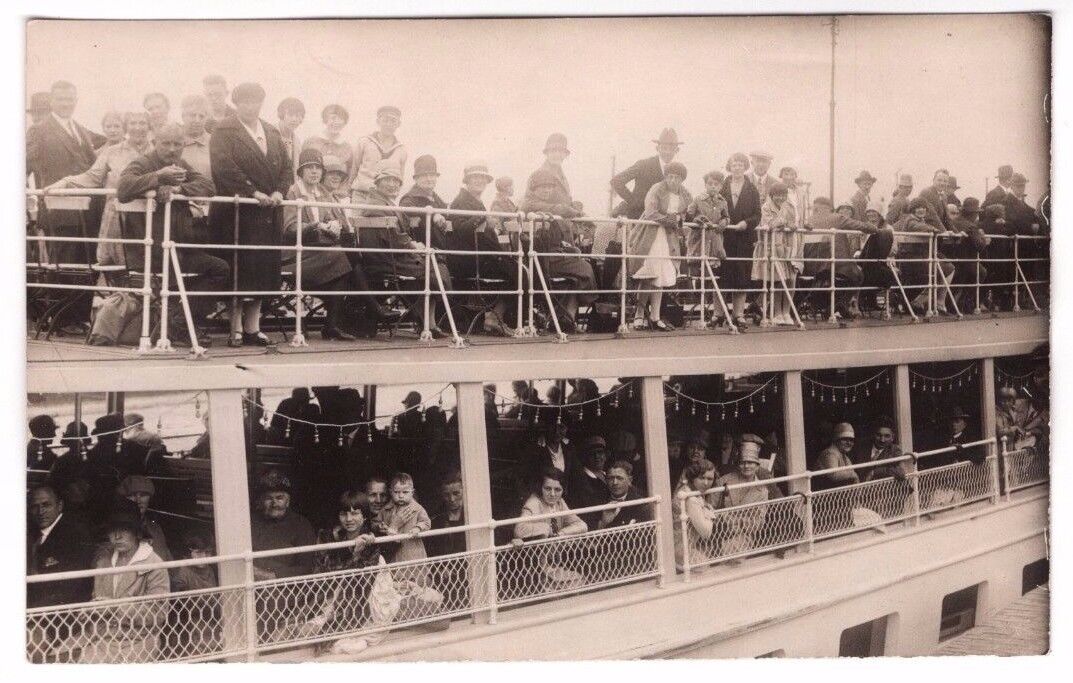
[
  {"x": 998, "y": 193},
  {"x": 861, "y": 197},
  {"x": 646, "y": 173},
  {"x": 56, "y": 148},
  {"x": 899, "y": 201},
  {"x": 620, "y": 485},
  {"x": 216, "y": 92},
  {"x": 587, "y": 481},
  {"x": 761, "y": 164},
  {"x": 57, "y": 542},
  {"x": 936, "y": 198},
  {"x": 881, "y": 447}
]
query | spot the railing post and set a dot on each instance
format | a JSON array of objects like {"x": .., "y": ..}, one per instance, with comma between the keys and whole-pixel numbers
[
  {"x": 661, "y": 561},
  {"x": 299, "y": 338},
  {"x": 683, "y": 523},
  {"x": 932, "y": 284},
  {"x": 831, "y": 316},
  {"x": 231, "y": 516},
  {"x": 914, "y": 491},
  {"x": 476, "y": 494},
  {"x": 810, "y": 522},
  {"x": 532, "y": 274},
  {"x": 1016, "y": 273},
  {"x": 163, "y": 343},
  {"x": 657, "y": 465},
  {"x": 1003, "y": 452},
  {"x": 976, "y": 310},
  {"x": 703, "y": 279},
  {"x": 145, "y": 344},
  {"x": 993, "y": 458},
  {"x": 520, "y": 329},
  {"x": 426, "y": 334},
  {"x": 623, "y": 274}
]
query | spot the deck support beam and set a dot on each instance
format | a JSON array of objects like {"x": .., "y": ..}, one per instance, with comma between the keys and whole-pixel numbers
[
  {"x": 794, "y": 429},
  {"x": 476, "y": 491},
  {"x": 231, "y": 508},
  {"x": 658, "y": 467},
  {"x": 903, "y": 408}
]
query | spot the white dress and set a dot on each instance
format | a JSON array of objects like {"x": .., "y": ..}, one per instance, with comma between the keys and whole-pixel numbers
[{"x": 657, "y": 265}]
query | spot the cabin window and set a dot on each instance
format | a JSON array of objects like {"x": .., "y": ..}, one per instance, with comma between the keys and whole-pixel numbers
[
  {"x": 1035, "y": 574},
  {"x": 959, "y": 612},
  {"x": 863, "y": 398},
  {"x": 864, "y": 640},
  {"x": 945, "y": 406}
]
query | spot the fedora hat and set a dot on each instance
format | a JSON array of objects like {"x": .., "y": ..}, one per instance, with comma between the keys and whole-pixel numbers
[
  {"x": 556, "y": 141},
  {"x": 1004, "y": 172},
  {"x": 953, "y": 183},
  {"x": 425, "y": 165},
  {"x": 956, "y": 413},
  {"x": 864, "y": 176},
  {"x": 668, "y": 136}
]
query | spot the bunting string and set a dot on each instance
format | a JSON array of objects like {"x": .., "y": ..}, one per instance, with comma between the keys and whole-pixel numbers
[
  {"x": 935, "y": 385},
  {"x": 611, "y": 397},
  {"x": 731, "y": 407},
  {"x": 850, "y": 393}
]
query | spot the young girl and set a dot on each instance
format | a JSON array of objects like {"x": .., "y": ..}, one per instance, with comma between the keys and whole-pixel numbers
[
  {"x": 786, "y": 251},
  {"x": 709, "y": 208},
  {"x": 666, "y": 204}
]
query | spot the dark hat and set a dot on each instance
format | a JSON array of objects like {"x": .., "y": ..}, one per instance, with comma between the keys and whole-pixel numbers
[
  {"x": 778, "y": 188},
  {"x": 112, "y": 422},
  {"x": 43, "y": 425},
  {"x": 593, "y": 444},
  {"x": 994, "y": 211},
  {"x": 556, "y": 141},
  {"x": 823, "y": 201},
  {"x": 1018, "y": 179},
  {"x": 905, "y": 180},
  {"x": 309, "y": 157},
  {"x": 412, "y": 399},
  {"x": 668, "y": 136},
  {"x": 917, "y": 203},
  {"x": 124, "y": 515},
  {"x": 952, "y": 183},
  {"x": 677, "y": 168},
  {"x": 957, "y": 413},
  {"x": 135, "y": 483},
  {"x": 425, "y": 165},
  {"x": 389, "y": 110},
  {"x": 541, "y": 177},
  {"x": 1004, "y": 172},
  {"x": 864, "y": 176},
  {"x": 971, "y": 205},
  {"x": 40, "y": 103},
  {"x": 273, "y": 480},
  {"x": 335, "y": 109},
  {"x": 300, "y": 393},
  {"x": 245, "y": 92},
  {"x": 698, "y": 435}
]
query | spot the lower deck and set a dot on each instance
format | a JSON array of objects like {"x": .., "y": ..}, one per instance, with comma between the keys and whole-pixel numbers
[{"x": 1021, "y": 628}]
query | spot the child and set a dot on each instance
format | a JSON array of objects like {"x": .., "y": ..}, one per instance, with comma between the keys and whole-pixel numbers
[
  {"x": 786, "y": 249},
  {"x": 195, "y": 577},
  {"x": 708, "y": 207},
  {"x": 503, "y": 202},
  {"x": 404, "y": 515}
]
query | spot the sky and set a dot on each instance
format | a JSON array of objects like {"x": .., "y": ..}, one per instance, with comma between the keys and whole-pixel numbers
[{"x": 913, "y": 93}]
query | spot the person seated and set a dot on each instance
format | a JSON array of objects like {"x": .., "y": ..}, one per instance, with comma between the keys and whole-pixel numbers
[
  {"x": 555, "y": 239},
  {"x": 875, "y": 260},
  {"x": 836, "y": 455},
  {"x": 547, "y": 498},
  {"x": 621, "y": 489},
  {"x": 587, "y": 482},
  {"x": 476, "y": 233},
  {"x": 57, "y": 542},
  {"x": 276, "y": 526},
  {"x": 1017, "y": 420},
  {"x": 503, "y": 203},
  {"x": 140, "y": 490},
  {"x": 738, "y": 532},
  {"x": 968, "y": 245},
  {"x": 39, "y": 453},
  {"x": 200, "y": 608},
  {"x": 912, "y": 252},
  {"x": 321, "y": 227},
  {"x": 298, "y": 406},
  {"x": 128, "y": 632},
  {"x": 694, "y": 448},
  {"x": 408, "y": 265},
  {"x": 198, "y": 546},
  {"x": 847, "y": 273},
  {"x": 882, "y": 447},
  {"x": 957, "y": 434},
  {"x": 450, "y": 576},
  {"x": 697, "y": 478}
]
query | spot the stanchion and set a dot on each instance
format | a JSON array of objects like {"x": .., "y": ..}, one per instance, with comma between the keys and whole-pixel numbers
[
  {"x": 520, "y": 329},
  {"x": 623, "y": 276},
  {"x": 832, "y": 317},
  {"x": 298, "y": 339},
  {"x": 426, "y": 334},
  {"x": 145, "y": 344},
  {"x": 1016, "y": 266},
  {"x": 163, "y": 343}
]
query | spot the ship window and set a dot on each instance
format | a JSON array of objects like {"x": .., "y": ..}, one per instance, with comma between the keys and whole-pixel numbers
[
  {"x": 864, "y": 640},
  {"x": 938, "y": 391},
  {"x": 861, "y": 397},
  {"x": 959, "y": 612},
  {"x": 1035, "y": 574}
]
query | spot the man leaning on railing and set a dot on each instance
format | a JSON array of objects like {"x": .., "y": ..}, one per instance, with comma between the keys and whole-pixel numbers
[{"x": 164, "y": 171}]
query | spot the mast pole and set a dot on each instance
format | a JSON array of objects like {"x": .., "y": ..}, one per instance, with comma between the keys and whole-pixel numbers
[{"x": 831, "y": 141}]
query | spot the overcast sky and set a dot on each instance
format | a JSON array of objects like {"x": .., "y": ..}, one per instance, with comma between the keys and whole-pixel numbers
[{"x": 913, "y": 93}]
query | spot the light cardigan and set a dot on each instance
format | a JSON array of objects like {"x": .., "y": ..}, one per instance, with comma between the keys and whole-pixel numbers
[
  {"x": 657, "y": 203},
  {"x": 545, "y": 527}
]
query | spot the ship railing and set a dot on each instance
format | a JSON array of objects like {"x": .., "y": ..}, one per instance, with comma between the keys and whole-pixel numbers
[
  {"x": 338, "y": 609},
  {"x": 920, "y": 273},
  {"x": 910, "y": 487},
  {"x": 1023, "y": 467}
]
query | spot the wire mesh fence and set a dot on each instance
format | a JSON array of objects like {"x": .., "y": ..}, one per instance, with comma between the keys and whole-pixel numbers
[
  {"x": 753, "y": 529},
  {"x": 957, "y": 484},
  {"x": 1025, "y": 467},
  {"x": 866, "y": 505}
]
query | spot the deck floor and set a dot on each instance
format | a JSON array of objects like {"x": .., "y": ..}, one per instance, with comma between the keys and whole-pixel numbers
[{"x": 1022, "y": 628}]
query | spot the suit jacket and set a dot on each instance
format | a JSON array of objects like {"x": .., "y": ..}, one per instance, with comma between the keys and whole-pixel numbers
[
  {"x": 635, "y": 514},
  {"x": 52, "y": 154},
  {"x": 586, "y": 491},
  {"x": 644, "y": 174},
  {"x": 863, "y": 454},
  {"x": 996, "y": 195},
  {"x": 937, "y": 216},
  {"x": 762, "y": 187},
  {"x": 69, "y": 547}
]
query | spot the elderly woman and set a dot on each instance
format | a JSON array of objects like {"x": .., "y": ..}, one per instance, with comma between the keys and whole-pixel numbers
[
  {"x": 653, "y": 245},
  {"x": 698, "y": 477},
  {"x": 105, "y": 172},
  {"x": 410, "y": 267},
  {"x": 331, "y": 144},
  {"x": 380, "y": 145},
  {"x": 743, "y": 207},
  {"x": 128, "y": 632},
  {"x": 779, "y": 215},
  {"x": 321, "y": 270},
  {"x": 113, "y": 128}
]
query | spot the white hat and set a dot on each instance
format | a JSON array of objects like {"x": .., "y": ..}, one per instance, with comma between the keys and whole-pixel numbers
[{"x": 844, "y": 430}]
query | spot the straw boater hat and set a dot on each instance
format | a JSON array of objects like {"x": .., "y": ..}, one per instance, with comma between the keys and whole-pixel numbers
[
  {"x": 478, "y": 168},
  {"x": 668, "y": 136}
]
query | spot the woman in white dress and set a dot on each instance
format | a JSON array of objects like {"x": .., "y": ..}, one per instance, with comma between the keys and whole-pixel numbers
[{"x": 654, "y": 245}]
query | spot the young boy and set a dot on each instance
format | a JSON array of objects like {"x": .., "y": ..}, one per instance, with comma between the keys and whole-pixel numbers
[
  {"x": 708, "y": 207},
  {"x": 404, "y": 515}
]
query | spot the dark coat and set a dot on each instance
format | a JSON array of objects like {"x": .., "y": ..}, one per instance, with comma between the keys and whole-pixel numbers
[
  {"x": 586, "y": 491},
  {"x": 738, "y": 243},
  {"x": 476, "y": 233},
  {"x": 635, "y": 514},
  {"x": 937, "y": 216},
  {"x": 863, "y": 454},
  {"x": 996, "y": 195},
  {"x": 239, "y": 168},
  {"x": 69, "y": 547},
  {"x": 644, "y": 174},
  {"x": 397, "y": 237},
  {"x": 52, "y": 154},
  {"x": 417, "y": 197},
  {"x": 140, "y": 177}
]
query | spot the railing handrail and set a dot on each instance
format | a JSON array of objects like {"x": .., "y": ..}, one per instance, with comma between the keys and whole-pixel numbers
[{"x": 496, "y": 523}]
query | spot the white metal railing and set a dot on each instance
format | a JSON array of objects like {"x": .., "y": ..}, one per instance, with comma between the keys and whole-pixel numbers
[
  {"x": 1023, "y": 467},
  {"x": 536, "y": 287},
  {"x": 772, "y": 521},
  {"x": 260, "y": 615}
]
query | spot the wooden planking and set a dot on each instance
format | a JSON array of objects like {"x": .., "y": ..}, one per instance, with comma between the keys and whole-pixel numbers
[{"x": 1021, "y": 628}]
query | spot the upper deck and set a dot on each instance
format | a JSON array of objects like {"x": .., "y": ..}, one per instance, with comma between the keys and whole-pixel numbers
[{"x": 59, "y": 366}]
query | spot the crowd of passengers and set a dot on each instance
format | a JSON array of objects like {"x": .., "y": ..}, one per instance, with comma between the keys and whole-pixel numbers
[
  {"x": 229, "y": 151},
  {"x": 357, "y": 487}
]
